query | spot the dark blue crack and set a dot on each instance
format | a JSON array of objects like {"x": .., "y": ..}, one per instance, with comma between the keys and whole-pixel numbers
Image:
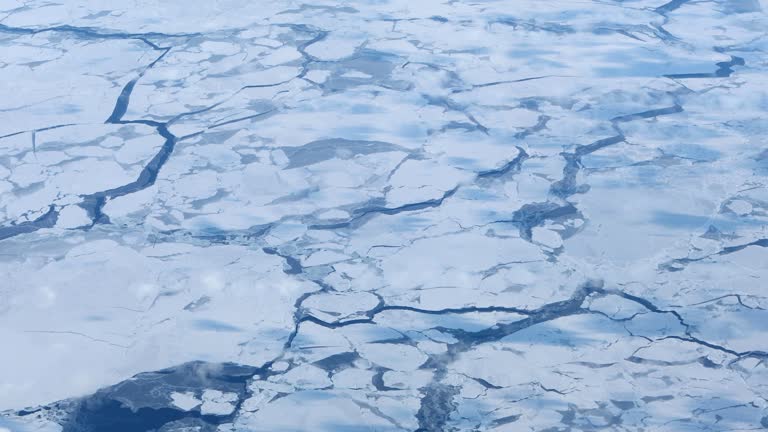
[
  {"x": 486, "y": 384},
  {"x": 437, "y": 202},
  {"x": 574, "y": 306},
  {"x": 447, "y": 311},
  {"x": 724, "y": 70},
  {"x": 540, "y": 125},
  {"x": 371, "y": 314},
  {"x": 721, "y": 348},
  {"x": 549, "y": 27},
  {"x": 338, "y": 362},
  {"x": 548, "y": 312},
  {"x": 244, "y": 118},
  {"x": 567, "y": 186},
  {"x": 584, "y": 150},
  {"x": 455, "y": 125},
  {"x": 93, "y": 33},
  {"x": 306, "y": 7},
  {"x": 671, "y": 6},
  {"x": 300, "y": 316},
  {"x": 512, "y": 166},
  {"x": 662, "y": 33},
  {"x": 330, "y": 325},
  {"x": 738, "y": 298},
  {"x": 318, "y": 35},
  {"x": 676, "y": 108},
  {"x": 495, "y": 83},
  {"x": 33, "y": 131},
  {"x": 688, "y": 336},
  {"x": 294, "y": 265},
  {"x": 377, "y": 380},
  {"x": 649, "y": 306},
  {"x": 47, "y": 220},
  {"x": 437, "y": 404},
  {"x": 505, "y": 420},
  {"x": 365, "y": 212},
  {"x": 94, "y": 203},
  {"x": 246, "y": 236},
  {"x": 450, "y": 105},
  {"x": 121, "y": 106},
  {"x": 532, "y": 215},
  {"x": 679, "y": 264},
  {"x": 623, "y": 32},
  {"x": 148, "y": 393},
  {"x": 24, "y": 413}
]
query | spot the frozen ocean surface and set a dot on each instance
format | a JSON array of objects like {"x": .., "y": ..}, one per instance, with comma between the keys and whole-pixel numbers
[{"x": 383, "y": 215}]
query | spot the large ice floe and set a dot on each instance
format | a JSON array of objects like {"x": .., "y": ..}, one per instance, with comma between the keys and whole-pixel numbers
[{"x": 383, "y": 215}]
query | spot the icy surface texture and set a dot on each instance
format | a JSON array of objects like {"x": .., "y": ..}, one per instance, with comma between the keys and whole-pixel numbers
[{"x": 383, "y": 215}]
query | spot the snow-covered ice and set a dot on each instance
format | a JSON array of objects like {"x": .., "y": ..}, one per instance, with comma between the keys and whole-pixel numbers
[{"x": 383, "y": 215}]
